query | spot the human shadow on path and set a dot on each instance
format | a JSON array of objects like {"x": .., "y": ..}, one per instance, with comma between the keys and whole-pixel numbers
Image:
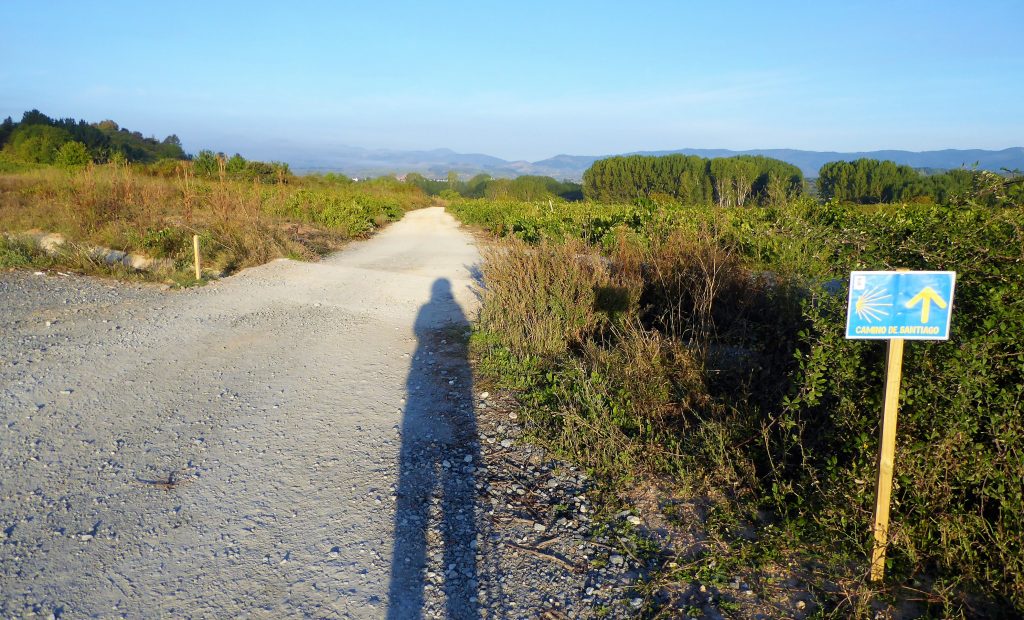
[{"x": 435, "y": 518}]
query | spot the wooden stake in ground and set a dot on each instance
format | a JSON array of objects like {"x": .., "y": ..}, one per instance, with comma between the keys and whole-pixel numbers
[
  {"x": 886, "y": 453},
  {"x": 195, "y": 252}
]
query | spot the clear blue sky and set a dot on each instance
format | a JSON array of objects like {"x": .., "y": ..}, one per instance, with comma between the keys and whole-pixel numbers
[{"x": 526, "y": 80}]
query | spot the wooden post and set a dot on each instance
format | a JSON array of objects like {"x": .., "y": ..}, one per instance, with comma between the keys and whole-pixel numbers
[
  {"x": 195, "y": 251},
  {"x": 886, "y": 452}
]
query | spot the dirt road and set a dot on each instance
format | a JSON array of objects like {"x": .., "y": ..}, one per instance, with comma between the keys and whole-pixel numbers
[{"x": 237, "y": 450}]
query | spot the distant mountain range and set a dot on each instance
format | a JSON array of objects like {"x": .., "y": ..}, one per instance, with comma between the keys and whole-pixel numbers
[{"x": 437, "y": 163}]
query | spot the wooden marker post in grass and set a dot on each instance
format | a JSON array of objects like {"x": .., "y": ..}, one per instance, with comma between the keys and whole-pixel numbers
[
  {"x": 895, "y": 306},
  {"x": 195, "y": 253}
]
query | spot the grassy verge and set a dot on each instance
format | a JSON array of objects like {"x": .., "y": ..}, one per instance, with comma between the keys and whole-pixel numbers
[
  {"x": 702, "y": 349},
  {"x": 155, "y": 212}
]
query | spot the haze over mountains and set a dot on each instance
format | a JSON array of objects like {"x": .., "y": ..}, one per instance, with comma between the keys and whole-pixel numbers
[{"x": 437, "y": 163}]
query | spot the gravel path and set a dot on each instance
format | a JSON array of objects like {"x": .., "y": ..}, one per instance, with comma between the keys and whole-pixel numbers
[
  {"x": 225, "y": 450},
  {"x": 299, "y": 440}
]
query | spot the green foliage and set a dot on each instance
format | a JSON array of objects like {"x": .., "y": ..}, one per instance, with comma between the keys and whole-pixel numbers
[
  {"x": 528, "y": 187},
  {"x": 236, "y": 165},
  {"x": 9, "y": 163},
  {"x": 525, "y": 187},
  {"x": 353, "y": 213},
  {"x": 138, "y": 148},
  {"x": 869, "y": 181},
  {"x": 20, "y": 254},
  {"x": 72, "y": 155},
  {"x": 958, "y": 501},
  {"x": 208, "y": 164},
  {"x": 37, "y": 144},
  {"x": 37, "y": 138},
  {"x": 6, "y": 128},
  {"x": 692, "y": 180},
  {"x": 727, "y": 365}
]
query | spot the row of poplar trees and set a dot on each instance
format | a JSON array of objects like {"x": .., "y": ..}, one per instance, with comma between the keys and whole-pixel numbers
[
  {"x": 869, "y": 181},
  {"x": 690, "y": 179}
]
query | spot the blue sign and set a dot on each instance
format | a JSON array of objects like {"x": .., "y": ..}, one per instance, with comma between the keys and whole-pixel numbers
[{"x": 915, "y": 305}]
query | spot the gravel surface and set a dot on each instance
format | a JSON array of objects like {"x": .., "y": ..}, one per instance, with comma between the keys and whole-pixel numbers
[{"x": 299, "y": 440}]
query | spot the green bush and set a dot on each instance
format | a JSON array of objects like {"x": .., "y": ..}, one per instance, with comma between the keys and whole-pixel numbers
[
  {"x": 20, "y": 254},
  {"x": 752, "y": 386},
  {"x": 958, "y": 499},
  {"x": 72, "y": 155},
  {"x": 352, "y": 212},
  {"x": 37, "y": 144}
]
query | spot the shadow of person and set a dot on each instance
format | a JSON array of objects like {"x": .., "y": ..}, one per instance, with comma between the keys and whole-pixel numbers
[{"x": 434, "y": 556}]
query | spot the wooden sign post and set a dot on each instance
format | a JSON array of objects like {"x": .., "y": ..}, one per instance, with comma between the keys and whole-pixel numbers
[
  {"x": 895, "y": 306},
  {"x": 886, "y": 456},
  {"x": 195, "y": 252}
]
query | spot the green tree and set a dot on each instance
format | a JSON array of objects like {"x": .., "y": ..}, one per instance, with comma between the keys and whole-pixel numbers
[
  {"x": 869, "y": 181},
  {"x": 72, "y": 155},
  {"x": 36, "y": 143},
  {"x": 730, "y": 181},
  {"x": 206, "y": 163},
  {"x": 477, "y": 186},
  {"x": 6, "y": 129},
  {"x": 35, "y": 117},
  {"x": 236, "y": 166}
]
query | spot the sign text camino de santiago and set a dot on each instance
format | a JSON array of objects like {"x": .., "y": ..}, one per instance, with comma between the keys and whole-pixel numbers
[{"x": 914, "y": 305}]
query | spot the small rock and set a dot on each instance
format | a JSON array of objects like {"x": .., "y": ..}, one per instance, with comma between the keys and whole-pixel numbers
[
  {"x": 637, "y": 603},
  {"x": 800, "y": 605},
  {"x": 513, "y": 416},
  {"x": 484, "y": 395},
  {"x": 468, "y": 459},
  {"x": 616, "y": 560},
  {"x": 539, "y": 527},
  {"x": 506, "y": 443},
  {"x": 635, "y": 520}
]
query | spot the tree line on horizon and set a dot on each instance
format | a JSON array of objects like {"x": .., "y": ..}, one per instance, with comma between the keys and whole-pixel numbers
[
  {"x": 736, "y": 181},
  {"x": 691, "y": 179},
  {"x": 870, "y": 181},
  {"x": 39, "y": 139},
  {"x": 525, "y": 187},
  {"x": 745, "y": 180}
]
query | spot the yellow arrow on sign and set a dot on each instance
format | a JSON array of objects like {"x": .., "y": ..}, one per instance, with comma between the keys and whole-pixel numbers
[{"x": 925, "y": 298}]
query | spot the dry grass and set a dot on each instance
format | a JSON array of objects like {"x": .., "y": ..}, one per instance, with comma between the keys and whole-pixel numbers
[
  {"x": 547, "y": 298},
  {"x": 240, "y": 223}
]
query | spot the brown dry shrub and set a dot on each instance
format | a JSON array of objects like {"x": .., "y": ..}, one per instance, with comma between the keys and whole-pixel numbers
[{"x": 543, "y": 299}]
